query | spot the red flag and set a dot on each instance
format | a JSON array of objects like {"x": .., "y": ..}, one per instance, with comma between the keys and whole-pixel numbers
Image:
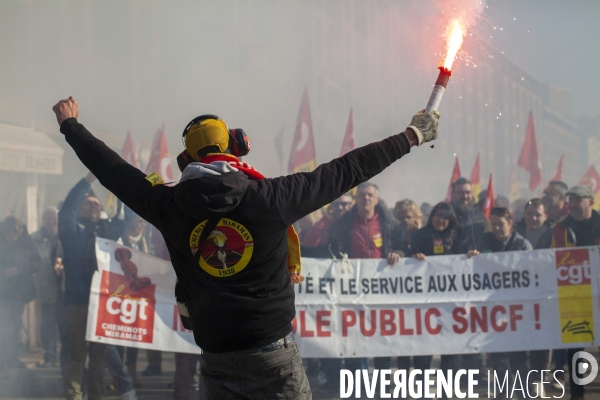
[
  {"x": 529, "y": 159},
  {"x": 488, "y": 203},
  {"x": 348, "y": 143},
  {"x": 558, "y": 175},
  {"x": 455, "y": 176},
  {"x": 591, "y": 178},
  {"x": 303, "y": 156},
  {"x": 128, "y": 152},
  {"x": 475, "y": 179},
  {"x": 160, "y": 162}
]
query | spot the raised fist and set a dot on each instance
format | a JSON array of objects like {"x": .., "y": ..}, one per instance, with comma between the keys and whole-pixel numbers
[{"x": 66, "y": 109}]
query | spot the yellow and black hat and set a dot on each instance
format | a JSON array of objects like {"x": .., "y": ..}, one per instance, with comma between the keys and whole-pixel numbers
[{"x": 204, "y": 133}]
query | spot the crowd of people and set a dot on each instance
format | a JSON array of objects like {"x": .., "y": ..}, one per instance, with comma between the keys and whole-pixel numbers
[
  {"x": 563, "y": 217},
  {"x": 56, "y": 264}
]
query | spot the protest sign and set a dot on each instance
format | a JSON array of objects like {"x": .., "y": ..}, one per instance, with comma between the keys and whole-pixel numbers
[
  {"x": 511, "y": 301},
  {"x": 132, "y": 302}
]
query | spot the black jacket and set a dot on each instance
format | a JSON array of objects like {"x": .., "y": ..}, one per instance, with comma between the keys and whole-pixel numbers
[
  {"x": 574, "y": 233},
  {"x": 515, "y": 242},
  {"x": 521, "y": 225},
  {"x": 250, "y": 302},
  {"x": 422, "y": 241},
  {"x": 521, "y": 229},
  {"x": 23, "y": 254},
  {"x": 473, "y": 224}
]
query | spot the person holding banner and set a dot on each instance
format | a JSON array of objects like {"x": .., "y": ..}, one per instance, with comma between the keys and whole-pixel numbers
[
  {"x": 555, "y": 200},
  {"x": 411, "y": 219},
  {"x": 319, "y": 234},
  {"x": 368, "y": 230},
  {"x": 503, "y": 238},
  {"x": 236, "y": 278},
  {"x": 79, "y": 224},
  {"x": 135, "y": 238},
  {"x": 533, "y": 226},
  {"x": 535, "y": 221},
  {"x": 581, "y": 227},
  {"x": 440, "y": 236},
  {"x": 470, "y": 218}
]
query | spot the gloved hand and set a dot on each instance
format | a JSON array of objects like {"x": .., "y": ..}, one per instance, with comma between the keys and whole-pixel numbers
[{"x": 425, "y": 125}]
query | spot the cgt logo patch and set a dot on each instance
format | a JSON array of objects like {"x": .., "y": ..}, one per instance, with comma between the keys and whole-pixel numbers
[
  {"x": 226, "y": 251},
  {"x": 127, "y": 303}
]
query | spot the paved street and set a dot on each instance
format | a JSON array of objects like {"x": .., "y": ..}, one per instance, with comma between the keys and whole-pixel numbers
[{"x": 37, "y": 383}]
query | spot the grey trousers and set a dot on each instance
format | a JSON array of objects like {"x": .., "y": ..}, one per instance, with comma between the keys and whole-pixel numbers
[
  {"x": 76, "y": 354},
  {"x": 268, "y": 373}
]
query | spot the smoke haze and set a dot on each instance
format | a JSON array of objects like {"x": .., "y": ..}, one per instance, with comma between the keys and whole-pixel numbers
[{"x": 136, "y": 65}]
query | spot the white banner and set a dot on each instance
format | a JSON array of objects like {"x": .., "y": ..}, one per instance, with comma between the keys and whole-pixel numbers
[
  {"x": 542, "y": 299},
  {"x": 132, "y": 302}
]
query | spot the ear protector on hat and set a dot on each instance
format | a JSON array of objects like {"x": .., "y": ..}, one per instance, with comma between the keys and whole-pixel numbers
[{"x": 239, "y": 143}]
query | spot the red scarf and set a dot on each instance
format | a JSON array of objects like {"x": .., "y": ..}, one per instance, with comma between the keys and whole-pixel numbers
[
  {"x": 234, "y": 162},
  {"x": 293, "y": 242}
]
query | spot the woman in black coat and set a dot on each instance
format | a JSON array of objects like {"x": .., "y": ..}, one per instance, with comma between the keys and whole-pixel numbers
[{"x": 440, "y": 236}]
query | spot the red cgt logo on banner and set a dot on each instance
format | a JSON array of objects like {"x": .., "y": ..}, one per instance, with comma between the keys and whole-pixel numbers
[
  {"x": 127, "y": 303},
  {"x": 573, "y": 267}
]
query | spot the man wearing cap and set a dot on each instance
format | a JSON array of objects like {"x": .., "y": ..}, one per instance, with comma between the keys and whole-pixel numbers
[
  {"x": 241, "y": 308},
  {"x": 581, "y": 227}
]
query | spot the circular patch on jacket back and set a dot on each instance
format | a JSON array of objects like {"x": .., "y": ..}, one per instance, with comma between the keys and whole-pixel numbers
[{"x": 226, "y": 251}]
